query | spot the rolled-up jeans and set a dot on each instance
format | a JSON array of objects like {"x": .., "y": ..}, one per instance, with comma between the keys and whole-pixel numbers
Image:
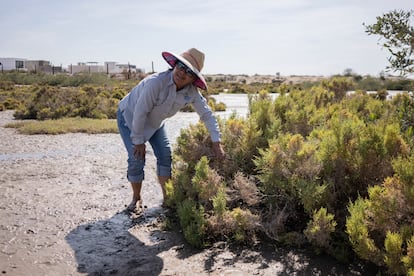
[{"x": 160, "y": 145}]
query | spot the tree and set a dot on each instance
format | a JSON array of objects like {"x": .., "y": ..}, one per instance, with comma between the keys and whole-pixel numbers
[
  {"x": 349, "y": 72},
  {"x": 398, "y": 37}
]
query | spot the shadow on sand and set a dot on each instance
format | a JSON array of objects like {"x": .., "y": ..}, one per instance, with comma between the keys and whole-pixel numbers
[
  {"x": 108, "y": 247},
  {"x": 117, "y": 246}
]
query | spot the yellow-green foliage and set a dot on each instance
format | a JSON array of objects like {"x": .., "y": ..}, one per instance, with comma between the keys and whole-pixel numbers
[
  {"x": 233, "y": 134},
  {"x": 52, "y": 102},
  {"x": 394, "y": 142},
  {"x": 193, "y": 143},
  {"x": 12, "y": 97},
  {"x": 242, "y": 140},
  {"x": 305, "y": 153},
  {"x": 293, "y": 113},
  {"x": 320, "y": 228},
  {"x": 201, "y": 204},
  {"x": 393, "y": 252},
  {"x": 192, "y": 221},
  {"x": 358, "y": 232},
  {"x": 65, "y": 125},
  {"x": 206, "y": 182},
  {"x": 405, "y": 109},
  {"x": 260, "y": 112},
  {"x": 380, "y": 227},
  {"x": 220, "y": 202},
  {"x": 408, "y": 260},
  {"x": 245, "y": 224},
  {"x": 322, "y": 96},
  {"x": 289, "y": 167},
  {"x": 353, "y": 154},
  {"x": 216, "y": 106},
  {"x": 339, "y": 86},
  {"x": 404, "y": 167}
]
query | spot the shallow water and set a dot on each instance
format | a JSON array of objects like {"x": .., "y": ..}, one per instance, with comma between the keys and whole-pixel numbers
[
  {"x": 237, "y": 103},
  {"x": 32, "y": 150}
]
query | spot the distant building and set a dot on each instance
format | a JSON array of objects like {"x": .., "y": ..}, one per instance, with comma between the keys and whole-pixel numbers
[
  {"x": 9, "y": 64},
  {"x": 127, "y": 68},
  {"x": 109, "y": 67},
  {"x": 38, "y": 66},
  {"x": 85, "y": 67}
]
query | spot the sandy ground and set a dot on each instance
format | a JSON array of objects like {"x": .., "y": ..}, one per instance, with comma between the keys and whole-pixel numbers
[{"x": 62, "y": 201}]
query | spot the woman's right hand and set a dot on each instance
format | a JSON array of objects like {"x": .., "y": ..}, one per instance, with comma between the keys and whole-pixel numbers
[{"x": 139, "y": 151}]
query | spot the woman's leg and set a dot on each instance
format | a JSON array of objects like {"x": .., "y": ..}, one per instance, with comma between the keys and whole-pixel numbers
[
  {"x": 162, "y": 150},
  {"x": 136, "y": 196},
  {"x": 135, "y": 173}
]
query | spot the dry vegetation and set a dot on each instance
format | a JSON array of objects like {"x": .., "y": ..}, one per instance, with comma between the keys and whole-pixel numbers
[{"x": 314, "y": 167}]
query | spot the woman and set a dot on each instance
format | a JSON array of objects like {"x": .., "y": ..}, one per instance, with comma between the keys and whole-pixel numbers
[{"x": 142, "y": 112}]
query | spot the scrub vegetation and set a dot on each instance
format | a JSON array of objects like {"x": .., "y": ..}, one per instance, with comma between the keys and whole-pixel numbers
[
  {"x": 314, "y": 167},
  {"x": 51, "y": 98},
  {"x": 65, "y": 125}
]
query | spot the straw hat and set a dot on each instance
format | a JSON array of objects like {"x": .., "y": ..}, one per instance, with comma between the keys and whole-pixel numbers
[{"x": 193, "y": 59}]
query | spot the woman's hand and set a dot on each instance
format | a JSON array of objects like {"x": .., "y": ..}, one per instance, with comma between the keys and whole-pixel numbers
[
  {"x": 139, "y": 151},
  {"x": 218, "y": 151}
]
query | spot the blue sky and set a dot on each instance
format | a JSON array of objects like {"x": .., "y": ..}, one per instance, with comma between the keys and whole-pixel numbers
[{"x": 292, "y": 37}]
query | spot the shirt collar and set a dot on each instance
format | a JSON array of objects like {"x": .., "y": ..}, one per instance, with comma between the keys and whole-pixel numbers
[{"x": 171, "y": 81}]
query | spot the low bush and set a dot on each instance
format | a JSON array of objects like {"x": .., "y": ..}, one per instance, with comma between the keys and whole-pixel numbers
[
  {"x": 49, "y": 102},
  {"x": 307, "y": 168},
  {"x": 65, "y": 125},
  {"x": 316, "y": 166}
]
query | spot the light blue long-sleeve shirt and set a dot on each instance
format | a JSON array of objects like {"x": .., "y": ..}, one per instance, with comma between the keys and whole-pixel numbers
[{"x": 155, "y": 99}]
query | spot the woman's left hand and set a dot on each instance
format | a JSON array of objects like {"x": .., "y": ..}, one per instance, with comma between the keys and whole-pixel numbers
[{"x": 218, "y": 151}]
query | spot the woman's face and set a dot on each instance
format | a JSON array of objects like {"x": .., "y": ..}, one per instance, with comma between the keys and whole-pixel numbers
[{"x": 182, "y": 75}]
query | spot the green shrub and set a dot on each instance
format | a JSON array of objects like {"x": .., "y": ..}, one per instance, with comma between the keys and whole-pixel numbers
[
  {"x": 359, "y": 234},
  {"x": 380, "y": 226},
  {"x": 192, "y": 222},
  {"x": 220, "y": 202},
  {"x": 6, "y": 85},
  {"x": 405, "y": 109},
  {"x": 245, "y": 225},
  {"x": 404, "y": 168},
  {"x": 408, "y": 260},
  {"x": 292, "y": 113},
  {"x": 308, "y": 165},
  {"x": 10, "y": 103},
  {"x": 339, "y": 86},
  {"x": 193, "y": 143},
  {"x": 233, "y": 138},
  {"x": 205, "y": 182},
  {"x": 320, "y": 229},
  {"x": 393, "y": 252},
  {"x": 289, "y": 167},
  {"x": 119, "y": 93},
  {"x": 49, "y": 102}
]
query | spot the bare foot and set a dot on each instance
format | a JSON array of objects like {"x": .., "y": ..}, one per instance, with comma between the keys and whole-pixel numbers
[{"x": 135, "y": 204}]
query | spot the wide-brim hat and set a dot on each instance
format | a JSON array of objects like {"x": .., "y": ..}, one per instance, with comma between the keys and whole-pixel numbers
[{"x": 193, "y": 59}]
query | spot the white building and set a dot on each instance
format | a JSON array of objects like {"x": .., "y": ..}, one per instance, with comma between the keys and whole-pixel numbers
[
  {"x": 85, "y": 67},
  {"x": 39, "y": 66},
  {"x": 8, "y": 64},
  {"x": 109, "y": 67}
]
